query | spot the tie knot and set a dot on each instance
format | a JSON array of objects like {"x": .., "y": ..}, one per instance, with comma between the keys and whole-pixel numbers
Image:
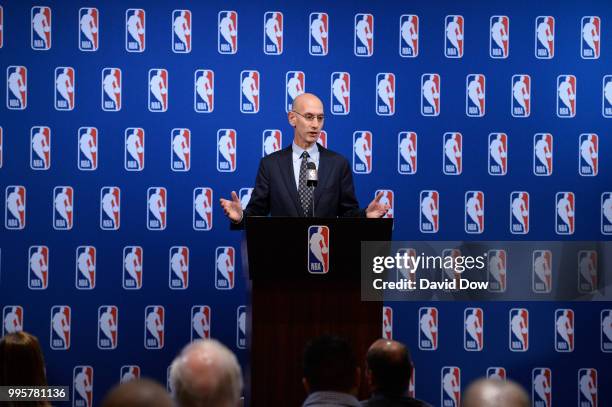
[{"x": 305, "y": 154}]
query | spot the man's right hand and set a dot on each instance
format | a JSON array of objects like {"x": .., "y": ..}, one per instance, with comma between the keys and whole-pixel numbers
[{"x": 233, "y": 208}]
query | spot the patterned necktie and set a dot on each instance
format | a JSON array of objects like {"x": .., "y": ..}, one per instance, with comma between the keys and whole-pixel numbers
[{"x": 304, "y": 191}]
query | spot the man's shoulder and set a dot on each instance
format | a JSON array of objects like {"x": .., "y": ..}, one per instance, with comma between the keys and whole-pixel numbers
[
  {"x": 332, "y": 155},
  {"x": 275, "y": 156}
]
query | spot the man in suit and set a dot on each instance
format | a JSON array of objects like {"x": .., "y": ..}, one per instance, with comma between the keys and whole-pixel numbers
[{"x": 280, "y": 187}]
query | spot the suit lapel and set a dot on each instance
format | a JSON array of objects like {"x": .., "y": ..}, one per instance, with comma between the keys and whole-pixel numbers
[
  {"x": 324, "y": 172},
  {"x": 286, "y": 167}
]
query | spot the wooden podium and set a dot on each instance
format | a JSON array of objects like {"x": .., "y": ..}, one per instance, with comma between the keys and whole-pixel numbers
[{"x": 290, "y": 304}]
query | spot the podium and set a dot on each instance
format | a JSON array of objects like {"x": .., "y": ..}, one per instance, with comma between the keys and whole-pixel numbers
[{"x": 293, "y": 299}]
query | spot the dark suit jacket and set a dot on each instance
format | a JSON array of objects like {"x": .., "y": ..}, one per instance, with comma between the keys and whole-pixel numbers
[{"x": 275, "y": 191}]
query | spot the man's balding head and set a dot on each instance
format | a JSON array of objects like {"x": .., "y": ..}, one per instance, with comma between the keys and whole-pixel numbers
[
  {"x": 389, "y": 367},
  {"x": 306, "y": 118},
  {"x": 495, "y": 393},
  {"x": 138, "y": 393},
  {"x": 306, "y": 100}
]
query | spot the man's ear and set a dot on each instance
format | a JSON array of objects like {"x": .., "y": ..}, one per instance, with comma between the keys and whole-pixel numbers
[{"x": 291, "y": 118}]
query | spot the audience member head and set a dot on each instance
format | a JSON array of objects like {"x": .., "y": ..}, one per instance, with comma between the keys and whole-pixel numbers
[
  {"x": 388, "y": 368},
  {"x": 329, "y": 365},
  {"x": 206, "y": 373},
  {"x": 495, "y": 393},
  {"x": 138, "y": 393}
]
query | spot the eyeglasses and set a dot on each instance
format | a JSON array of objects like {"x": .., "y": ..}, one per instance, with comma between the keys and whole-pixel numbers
[{"x": 310, "y": 117}]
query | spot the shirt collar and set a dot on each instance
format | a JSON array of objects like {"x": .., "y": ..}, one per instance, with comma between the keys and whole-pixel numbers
[{"x": 297, "y": 150}]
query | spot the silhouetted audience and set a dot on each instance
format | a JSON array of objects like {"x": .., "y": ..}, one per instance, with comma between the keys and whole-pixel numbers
[
  {"x": 495, "y": 393},
  {"x": 22, "y": 364},
  {"x": 331, "y": 375},
  {"x": 206, "y": 374},
  {"x": 388, "y": 370},
  {"x": 138, "y": 393}
]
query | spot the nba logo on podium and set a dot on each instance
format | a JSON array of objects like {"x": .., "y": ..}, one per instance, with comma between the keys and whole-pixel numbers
[
  {"x": 473, "y": 329},
  {"x": 16, "y": 87},
  {"x": 225, "y": 271},
  {"x": 273, "y": 33},
  {"x": 518, "y": 330},
  {"x": 454, "y": 36},
  {"x": 158, "y": 90},
  {"x": 587, "y": 387},
  {"x": 82, "y": 390},
  {"x": 132, "y": 267},
  {"x": 566, "y": 96},
  {"x": 60, "y": 327},
  {"x": 135, "y": 30},
  {"x": 451, "y": 386},
  {"x": 89, "y": 27},
  {"x": 179, "y": 268},
  {"x": 588, "y": 271},
  {"x": 385, "y": 99},
  {"x": 180, "y": 159},
  {"x": 295, "y": 83},
  {"x": 88, "y": 149},
  {"x": 590, "y": 41},
  {"x": 428, "y": 328},
  {"x": 38, "y": 267},
  {"x": 204, "y": 95},
  {"x": 474, "y": 212},
  {"x": 241, "y": 338},
  {"x": 497, "y": 270},
  {"x": 110, "y": 208},
  {"x": 499, "y": 40},
  {"x": 606, "y": 213},
  {"x": 226, "y": 150},
  {"x": 249, "y": 91},
  {"x": 134, "y": 149},
  {"x": 407, "y": 152},
  {"x": 15, "y": 208},
  {"x": 452, "y": 154},
  {"x": 521, "y": 96},
  {"x": 541, "y": 387},
  {"x": 64, "y": 88},
  {"x": 181, "y": 31},
  {"x": 202, "y": 208},
  {"x": 362, "y": 152},
  {"x": 63, "y": 208},
  {"x": 564, "y": 330},
  {"x": 543, "y": 154},
  {"x": 544, "y": 37},
  {"x": 475, "y": 96},
  {"x": 565, "y": 220},
  {"x": 364, "y": 35},
  {"x": 498, "y": 154},
  {"x": 318, "y": 39},
  {"x": 154, "y": 327},
  {"x": 340, "y": 93},
  {"x": 409, "y": 36},
  {"x": 429, "y": 215},
  {"x": 108, "y": 327},
  {"x": 111, "y": 89},
  {"x": 200, "y": 322},
  {"x": 318, "y": 249},
  {"x": 588, "y": 154},
  {"x": 227, "y": 34},
  {"x": 40, "y": 148},
  {"x": 41, "y": 28},
  {"x": 430, "y": 94},
  {"x": 12, "y": 319},
  {"x": 541, "y": 271},
  {"x": 157, "y": 202},
  {"x": 85, "y": 268}
]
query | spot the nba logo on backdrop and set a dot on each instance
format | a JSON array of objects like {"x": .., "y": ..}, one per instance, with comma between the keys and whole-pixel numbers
[
  {"x": 15, "y": 208},
  {"x": 225, "y": 271},
  {"x": 452, "y": 153},
  {"x": 474, "y": 212},
  {"x": 61, "y": 316},
  {"x": 387, "y": 199},
  {"x": 318, "y": 249},
  {"x": 154, "y": 327},
  {"x": 16, "y": 87},
  {"x": 541, "y": 387},
  {"x": 499, "y": 40},
  {"x": 89, "y": 27},
  {"x": 226, "y": 150},
  {"x": 340, "y": 93},
  {"x": 295, "y": 83},
  {"x": 249, "y": 91},
  {"x": 64, "y": 88},
  {"x": 200, "y": 322},
  {"x": 85, "y": 268},
  {"x": 498, "y": 154},
  {"x": 587, "y": 387},
  {"x": 273, "y": 33},
  {"x": 473, "y": 329},
  {"x": 158, "y": 90},
  {"x": 63, "y": 213},
  {"x": 565, "y": 205},
  {"x": 407, "y": 152},
  {"x": 110, "y": 208},
  {"x": 82, "y": 386},
  {"x": 588, "y": 279},
  {"x": 543, "y": 154},
  {"x": 363, "y": 44},
  {"x": 181, "y": 31},
  {"x": 409, "y": 36},
  {"x": 38, "y": 267},
  {"x": 134, "y": 154},
  {"x": 12, "y": 319},
  {"x": 566, "y": 96},
  {"x": 521, "y": 96},
  {"x": 111, "y": 89},
  {"x": 318, "y": 34},
  {"x": 564, "y": 330},
  {"x": 497, "y": 270},
  {"x": 541, "y": 271},
  {"x": 449, "y": 272},
  {"x": 475, "y": 99},
  {"x": 204, "y": 95},
  {"x": 135, "y": 30},
  {"x": 132, "y": 267},
  {"x": 519, "y": 330},
  {"x": 129, "y": 373},
  {"x": 179, "y": 268},
  {"x": 88, "y": 149},
  {"x": 588, "y": 154},
  {"x": 40, "y": 148},
  {"x": 545, "y": 37},
  {"x": 606, "y": 213},
  {"x": 429, "y": 215},
  {"x": 108, "y": 327},
  {"x": 590, "y": 42},
  {"x": 241, "y": 339},
  {"x": 202, "y": 208},
  {"x": 519, "y": 212},
  {"x": 496, "y": 373},
  {"x": 180, "y": 156},
  {"x": 454, "y": 36},
  {"x": 385, "y": 94},
  {"x": 430, "y": 94},
  {"x": 157, "y": 208},
  {"x": 227, "y": 35},
  {"x": 387, "y": 322},
  {"x": 1, "y": 26},
  {"x": 41, "y": 28},
  {"x": 362, "y": 152},
  {"x": 606, "y": 102},
  {"x": 272, "y": 141},
  {"x": 606, "y": 330},
  {"x": 323, "y": 138},
  {"x": 451, "y": 386},
  {"x": 428, "y": 328},
  {"x": 245, "y": 196}
]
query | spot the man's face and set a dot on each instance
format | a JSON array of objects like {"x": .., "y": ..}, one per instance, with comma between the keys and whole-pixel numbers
[{"x": 307, "y": 131}]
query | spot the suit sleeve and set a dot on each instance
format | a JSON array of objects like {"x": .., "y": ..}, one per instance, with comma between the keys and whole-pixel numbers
[
  {"x": 259, "y": 204},
  {"x": 348, "y": 205}
]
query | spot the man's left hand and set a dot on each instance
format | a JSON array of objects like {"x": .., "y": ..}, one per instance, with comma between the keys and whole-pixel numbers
[{"x": 375, "y": 209}]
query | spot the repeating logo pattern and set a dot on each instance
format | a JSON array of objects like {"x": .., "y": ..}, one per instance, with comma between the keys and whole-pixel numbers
[
  {"x": 318, "y": 39},
  {"x": 409, "y": 36}
]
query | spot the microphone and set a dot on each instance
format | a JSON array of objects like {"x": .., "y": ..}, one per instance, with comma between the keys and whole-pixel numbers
[{"x": 312, "y": 178}]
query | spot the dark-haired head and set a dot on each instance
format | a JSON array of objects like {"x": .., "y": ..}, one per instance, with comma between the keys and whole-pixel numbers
[{"x": 329, "y": 365}]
